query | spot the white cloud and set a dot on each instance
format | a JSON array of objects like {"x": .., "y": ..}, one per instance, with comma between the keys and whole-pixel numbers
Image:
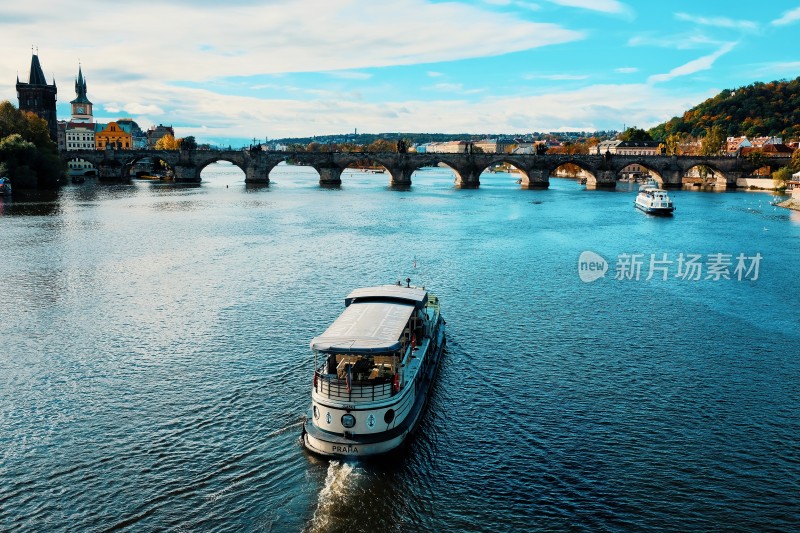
[
  {"x": 136, "y": 108},
  {"x": 556, "y": 77},
  {"x": 448, "y": 87},
  {"x": 605, "y": 6},
  {"x": 517, "y": 3},
  {"x": 719, "y": 22},
  {"x": 683, "y": 41},
  {"x": 626, "y": 70},
  {"x": 253, "y": 39},
  {"x": 592, "y": 107},
  {"x": 788, "y": 17},
  {"x": 139, "y": 73},
  {"x": 782, "y": 68},
  {"x": 350, "y": 75},
  {"x": 696, "y": 65}
]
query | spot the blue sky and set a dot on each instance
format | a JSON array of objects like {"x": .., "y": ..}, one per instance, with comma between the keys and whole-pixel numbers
[{"x": 227, "y": 72}]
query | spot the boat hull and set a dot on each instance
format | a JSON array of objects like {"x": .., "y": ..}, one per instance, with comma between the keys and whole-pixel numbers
[
  {"x": 663, "y": 211},
  {"x": 337, "y": 445}
]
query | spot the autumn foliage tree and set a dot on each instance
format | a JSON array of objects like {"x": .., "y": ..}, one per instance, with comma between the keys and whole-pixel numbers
[
  {"x": 795, "y": 164},
  {"x": 168, "y": 142},
  {"x": 30, "y": 157},
  {"x": 712, "y": 143},
  {"x": 382, "y": 145},
  {"x": 754, "y": 110}
]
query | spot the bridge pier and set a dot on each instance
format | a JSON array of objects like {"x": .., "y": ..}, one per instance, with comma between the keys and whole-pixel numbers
[
  {"x": 400, "y": 177},
  {"x": 257, "y": 172},
  {"x": 731, "y": 179},
  {"x": 330, "y": 176},
  {"x": 604, "y": 180},
  {"x": 468, "y": 175},
  {"x": 672, "y": 178},
  {"x": 112, "y": 170},
  {"x": 535, "y": 179},
  {"x": 186, "y": 173},
  {"x": 470, "y": 182}
]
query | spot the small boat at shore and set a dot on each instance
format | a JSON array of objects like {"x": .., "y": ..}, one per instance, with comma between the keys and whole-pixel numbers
[
  {"x": 373, "y": 370},
  {"x": 654, "y": 201},
  {"x": 5, "y": 186}
]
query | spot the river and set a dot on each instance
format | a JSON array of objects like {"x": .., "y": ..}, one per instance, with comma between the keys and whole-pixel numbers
[{"x": 154, "y": 360}]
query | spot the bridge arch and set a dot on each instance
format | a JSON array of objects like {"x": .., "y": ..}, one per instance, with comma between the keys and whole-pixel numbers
[
  {"x": 265, "y": 167},
  {"x": 587, "y": 169},
  {"x": 508, "y": 161},
  {"x": 80, "y": 167},
  {"x": 437, "y": 160},
  {"x": 129, "y": 160},
  {"x": 703, "y": 175},
  {"x": 652, "y": 169},
  {"x": 203, "y": 163},
  {"x": 372, "y": 163}
]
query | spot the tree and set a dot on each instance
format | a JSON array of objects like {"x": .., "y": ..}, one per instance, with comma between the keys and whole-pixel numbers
[
  {"x": 757, "y": 158},
  {"x": 635, "y": 134},
  {"x": 712, "y": 142},
  {"x": 30, "y": 156},
  {"x": 31, "y": 127},
  {"x": 19, "y": 157},
  {"x": 781, "y": 176},
  {"x": 757, "y": 109},
  {"x": 188, "y": 143},
  {"x": 168, "y": 142},
  {"x": 382, "y": 145},
  {"x": 795, "y": 164},
  {"x": 671, "y": 143}
]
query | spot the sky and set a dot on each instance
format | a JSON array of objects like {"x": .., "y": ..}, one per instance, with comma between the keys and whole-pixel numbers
[{"x": 229, "y": 72}]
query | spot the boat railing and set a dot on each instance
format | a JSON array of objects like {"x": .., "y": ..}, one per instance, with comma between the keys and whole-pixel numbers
[{"x": 371, "y": 390}]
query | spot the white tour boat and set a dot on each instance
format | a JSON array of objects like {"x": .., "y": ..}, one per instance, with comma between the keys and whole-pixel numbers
[
  {"x": 654, "y": 201},
  {"x": 373, "y": 369}
]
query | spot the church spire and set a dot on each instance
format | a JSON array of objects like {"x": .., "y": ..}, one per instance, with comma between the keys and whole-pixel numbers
[
  {"x": 36, "y": 76},
  {"x": 80, "y": 88}
]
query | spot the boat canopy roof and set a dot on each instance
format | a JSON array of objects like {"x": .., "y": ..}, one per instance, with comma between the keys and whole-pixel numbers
[
  {"x": 650, "y": 188},
  {"x": 366, "y": 327},
  {"x": 411, "y": 295}
]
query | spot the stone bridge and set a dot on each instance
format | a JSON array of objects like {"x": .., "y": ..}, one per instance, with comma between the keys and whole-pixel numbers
[{"x": 600, "y": 171}]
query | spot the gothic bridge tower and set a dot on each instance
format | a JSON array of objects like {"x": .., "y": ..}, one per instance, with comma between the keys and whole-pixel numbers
[{"x": 38, "y": 97}]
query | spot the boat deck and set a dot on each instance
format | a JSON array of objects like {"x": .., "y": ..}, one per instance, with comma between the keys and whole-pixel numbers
[{"x": 371, "y": 378}]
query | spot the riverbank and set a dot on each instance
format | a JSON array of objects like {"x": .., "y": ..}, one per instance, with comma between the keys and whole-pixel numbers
[{"x": 791, "y": 203}]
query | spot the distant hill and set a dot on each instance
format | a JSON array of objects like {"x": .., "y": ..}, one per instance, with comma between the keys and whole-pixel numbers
[{"x": 755, "y": 110}]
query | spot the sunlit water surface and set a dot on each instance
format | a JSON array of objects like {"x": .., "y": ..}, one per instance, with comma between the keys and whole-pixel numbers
[{"x": 154, "y": 361}]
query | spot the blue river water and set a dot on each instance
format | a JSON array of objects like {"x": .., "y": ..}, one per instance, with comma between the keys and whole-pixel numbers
[{"x": 154, "y": 360}]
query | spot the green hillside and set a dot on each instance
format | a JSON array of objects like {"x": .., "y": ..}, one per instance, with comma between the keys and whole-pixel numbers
[{"x": 755, "y": 110}]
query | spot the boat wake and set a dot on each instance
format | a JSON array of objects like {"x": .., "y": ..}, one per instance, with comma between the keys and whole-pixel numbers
[{"x": 332, "y": 497}]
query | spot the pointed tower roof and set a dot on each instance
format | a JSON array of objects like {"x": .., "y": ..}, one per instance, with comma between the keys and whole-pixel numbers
[
  {"x": 80, "y": 89},
  {"x": 37, "y": 75}
]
